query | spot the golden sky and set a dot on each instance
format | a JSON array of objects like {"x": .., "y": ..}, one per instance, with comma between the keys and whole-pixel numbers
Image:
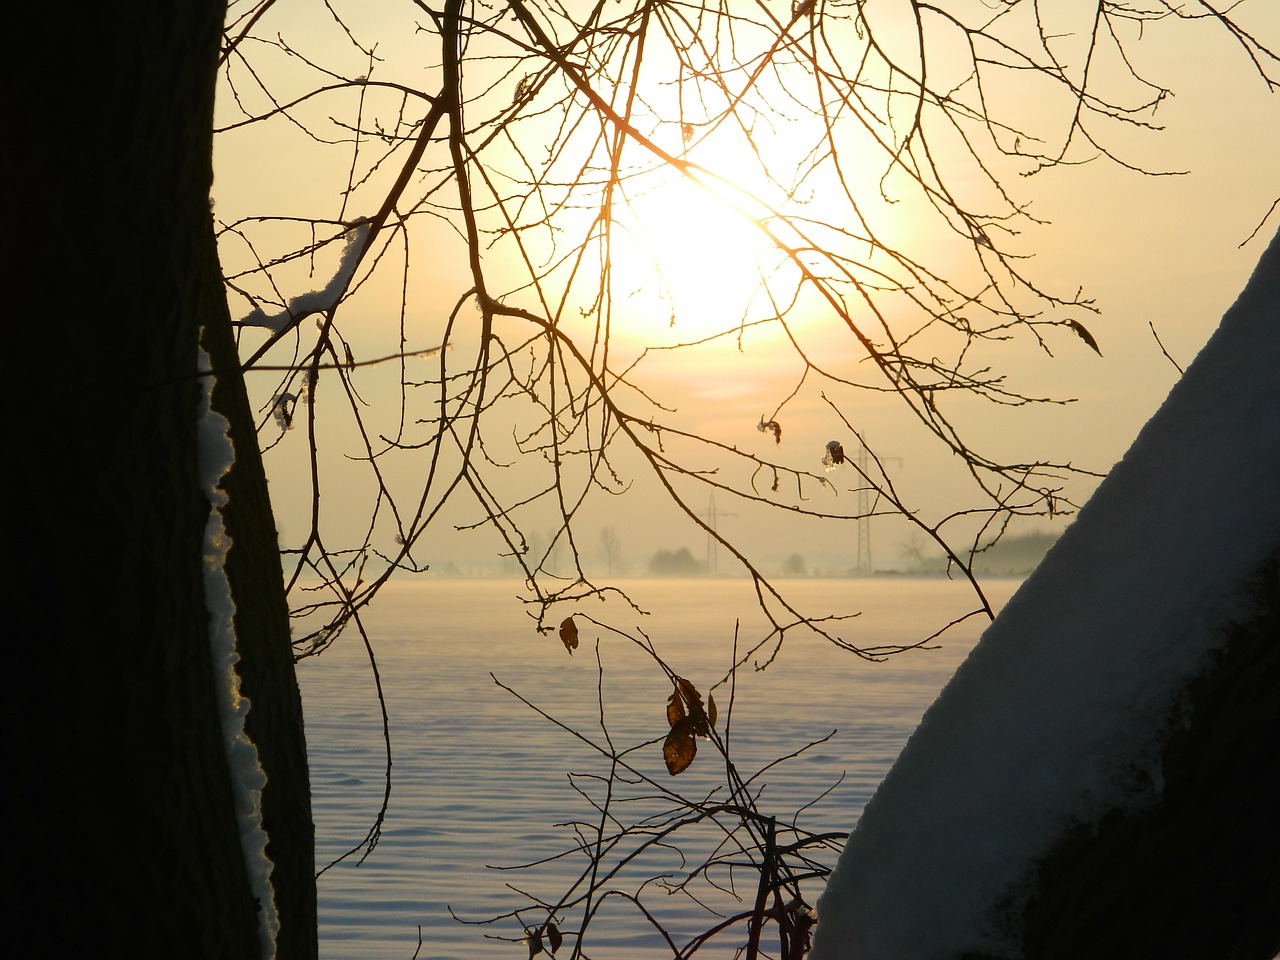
[{"x": 1150, "y": 251}]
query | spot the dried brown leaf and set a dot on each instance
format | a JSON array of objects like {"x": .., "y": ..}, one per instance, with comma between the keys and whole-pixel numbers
[
  {"x": 680, "y": 747},
  {"x": 569, "y": 634},
  {"x": 553, "y": 936},
  {"x": 700, "y": 726},
  {"x": 1084, "y": 335},
  {"x": 675, "y": 709},
  {"x": 690, "y": 693},
  {"x": 770, "y": 426},
  {"x": 711, "y": 710}
]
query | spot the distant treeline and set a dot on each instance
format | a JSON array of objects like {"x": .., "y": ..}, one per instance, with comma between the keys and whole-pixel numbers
[
  {"x": 1010, "y": 556},
  {"x": 1015, "y": 555}
]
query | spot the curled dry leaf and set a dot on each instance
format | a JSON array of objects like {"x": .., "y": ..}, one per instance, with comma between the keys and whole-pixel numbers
[
  {"x": 688, "y": 720},
  {"x": 770, "y": 426},
  {"x": 675, "y": 708},
  {"x": 1084, "y": 335},
  {"x": 569, "y": 634},
  {"x": 680, "y": 747},
  {"x": 554, "y": 937},
  {"x": 693, "y": 704}
]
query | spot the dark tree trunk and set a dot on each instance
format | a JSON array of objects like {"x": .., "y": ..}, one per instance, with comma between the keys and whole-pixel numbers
[
  {"x": 123, "y": 834},
  {"x": 267, "y": 676}
]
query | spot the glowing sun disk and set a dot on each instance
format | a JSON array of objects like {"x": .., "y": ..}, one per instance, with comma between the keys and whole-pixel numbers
[{"x": 691, "y": 259}]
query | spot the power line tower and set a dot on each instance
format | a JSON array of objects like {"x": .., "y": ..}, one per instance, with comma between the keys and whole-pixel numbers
[
  {"x": 862, "y": 557},
  {"x": 712, "y": 515}
]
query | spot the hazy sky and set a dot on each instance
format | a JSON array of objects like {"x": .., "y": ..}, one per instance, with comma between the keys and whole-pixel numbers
[{"x": 1163, "y": 251}]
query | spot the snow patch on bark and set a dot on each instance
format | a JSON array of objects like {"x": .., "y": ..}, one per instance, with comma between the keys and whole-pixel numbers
[{"x": 215, "y": 456}]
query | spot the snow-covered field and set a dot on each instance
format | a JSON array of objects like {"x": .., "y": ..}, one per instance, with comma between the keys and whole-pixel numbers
[
  {"x": 1046, "y": 722},
  {"x": 480, "y": 780}
]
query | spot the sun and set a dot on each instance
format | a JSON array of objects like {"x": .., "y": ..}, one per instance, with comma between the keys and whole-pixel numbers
[{"x": 694, "y": 254}]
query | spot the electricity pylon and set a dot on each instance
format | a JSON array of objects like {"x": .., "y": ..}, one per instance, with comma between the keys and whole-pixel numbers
[
  {"x": 711, "y": 514},
  {"x": 862, "y": 556}
]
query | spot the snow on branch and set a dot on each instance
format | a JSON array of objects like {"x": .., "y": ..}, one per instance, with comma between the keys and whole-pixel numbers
[{"x": 318, "y": 301}]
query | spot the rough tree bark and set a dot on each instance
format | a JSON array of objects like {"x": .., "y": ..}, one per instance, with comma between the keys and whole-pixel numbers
[{"x": 126, "y": 841}]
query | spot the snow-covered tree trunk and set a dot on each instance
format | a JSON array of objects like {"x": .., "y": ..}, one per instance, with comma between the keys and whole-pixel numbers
[
  {"x": 1197, "y": 873},
  {"x": 274, "y": 722},
  {"x": 123, "y": 832},
  {"x": 1101, "y": 778}
]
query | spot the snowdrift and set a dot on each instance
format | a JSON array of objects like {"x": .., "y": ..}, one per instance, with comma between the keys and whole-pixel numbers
[{"x": 1095, "y": 701}]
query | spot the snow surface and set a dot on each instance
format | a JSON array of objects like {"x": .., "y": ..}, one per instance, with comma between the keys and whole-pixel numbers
[
  {"x": 215, "y": 455},
  {"x": 1070, "y": 688},
  {"x": 318, "y": 301}
]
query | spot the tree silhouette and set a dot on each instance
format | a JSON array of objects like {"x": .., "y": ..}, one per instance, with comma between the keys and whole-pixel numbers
[
  {"x": 536, "y": 169},
  {"x": 611, "y": 550},
  {"x": 508, "y": 157},
  {"x": 131, "y": 819}
]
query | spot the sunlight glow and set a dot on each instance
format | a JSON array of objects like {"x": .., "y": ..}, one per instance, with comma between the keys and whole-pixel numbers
[{"x": 692, "y": 261}]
